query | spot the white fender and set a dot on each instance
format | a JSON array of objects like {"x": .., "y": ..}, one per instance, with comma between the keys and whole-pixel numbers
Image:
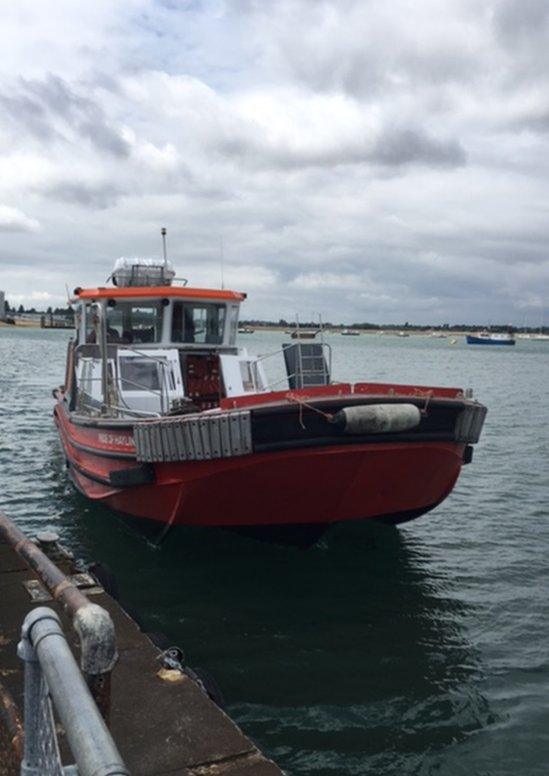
[{"x": 377, "y": 418}]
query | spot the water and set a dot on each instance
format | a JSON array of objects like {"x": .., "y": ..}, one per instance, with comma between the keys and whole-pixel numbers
[{"x": 421, "y": 650}]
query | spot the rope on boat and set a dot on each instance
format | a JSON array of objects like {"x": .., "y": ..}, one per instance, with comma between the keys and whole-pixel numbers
[
  {"x": 367, "y": 419},
  {"x": 302, "y": 403},
  {"x": 427, "y": 400},
  {"x": 162, "y": 535}
]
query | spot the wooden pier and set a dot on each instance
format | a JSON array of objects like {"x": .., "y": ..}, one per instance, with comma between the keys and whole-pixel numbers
[{"x": 160, "y": 719}]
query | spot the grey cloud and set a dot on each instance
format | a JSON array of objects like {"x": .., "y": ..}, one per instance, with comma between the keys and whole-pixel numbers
[
  {"x": 28, "y": 115},
  {"x": 537, "y": 120},
  {"x": 522, "y": 20},
  {"x": 409, "y": 146},
  {"x": 55, "y": 94},
  {"x": 103, "y": 136},
  {"x": 394, "y": 148},
  {"x": 521, "y": 28},
  {"x": 39, "y": 105},
  {"x": 99, "y": 196},
  {"x": 359, "y": 47},
  {"x": 14, "y": 220}
]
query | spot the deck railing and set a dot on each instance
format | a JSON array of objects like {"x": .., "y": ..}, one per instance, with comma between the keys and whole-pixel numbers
[
  {"x": 299, "y": 374},
  {"x": 115, "y": 382}
]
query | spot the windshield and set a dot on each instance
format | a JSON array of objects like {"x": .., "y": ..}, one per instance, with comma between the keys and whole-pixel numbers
[
  {"x": 132, "y": 322},
  {"x": 201, "y": 323}
]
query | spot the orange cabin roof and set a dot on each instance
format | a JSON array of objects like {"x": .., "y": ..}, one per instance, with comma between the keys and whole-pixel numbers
[{"x": 147, "y": 292}]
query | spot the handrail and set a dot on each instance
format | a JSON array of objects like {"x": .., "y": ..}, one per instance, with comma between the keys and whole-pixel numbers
[
  {"x": 163, "y": 393},
  {"x": 93, "y": 624},
  {"x": 51, "y": 672},
  {"x": 298, "y": 372}
]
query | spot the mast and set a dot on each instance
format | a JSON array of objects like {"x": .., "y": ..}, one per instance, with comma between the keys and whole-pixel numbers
[{"x": 164, "y": 252}]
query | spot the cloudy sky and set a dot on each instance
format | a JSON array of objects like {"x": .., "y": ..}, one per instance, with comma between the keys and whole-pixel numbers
[{"x": 368, "y": 159}]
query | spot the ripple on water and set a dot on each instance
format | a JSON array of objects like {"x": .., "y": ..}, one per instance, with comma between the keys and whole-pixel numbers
[{"x": 417, "y": 651}]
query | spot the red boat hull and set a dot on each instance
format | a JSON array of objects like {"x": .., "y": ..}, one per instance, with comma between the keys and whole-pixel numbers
[{"x": 314, "y": 485}]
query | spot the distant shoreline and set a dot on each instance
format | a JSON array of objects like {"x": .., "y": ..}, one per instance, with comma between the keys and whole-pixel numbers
[{"x": 391, "y": 330}]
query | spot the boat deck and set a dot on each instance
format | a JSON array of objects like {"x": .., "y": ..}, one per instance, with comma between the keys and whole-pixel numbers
[{"x": 159, "y": 726}]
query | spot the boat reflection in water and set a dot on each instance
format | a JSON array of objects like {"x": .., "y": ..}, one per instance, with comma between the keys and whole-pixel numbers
[{"x": 351, "y": 656}]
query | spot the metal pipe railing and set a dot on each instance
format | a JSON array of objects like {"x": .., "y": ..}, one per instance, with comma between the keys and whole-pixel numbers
[
  {"x": 116, "y": 380},
  {"x": 100, "y": 329},
  {"x": 51, "y": 672},
  {"x": 93, "y": 624}
]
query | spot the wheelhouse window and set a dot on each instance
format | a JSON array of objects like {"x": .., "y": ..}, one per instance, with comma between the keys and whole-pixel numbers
[
  {"x": 200, "y": 323},
  {"x": 139, "y": 374},
  {"x": 134, "y": 323}
]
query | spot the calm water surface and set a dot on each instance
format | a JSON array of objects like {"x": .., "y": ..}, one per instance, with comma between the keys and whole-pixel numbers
[{"x": 420, "y": 650}]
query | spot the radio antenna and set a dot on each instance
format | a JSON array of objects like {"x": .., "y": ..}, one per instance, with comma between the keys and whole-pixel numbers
[
  {"x": 222, "y": 259},
  {"x": 163, "y": 233}
]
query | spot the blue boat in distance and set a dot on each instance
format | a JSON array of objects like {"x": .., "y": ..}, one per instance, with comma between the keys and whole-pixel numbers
[{"x": 490, "y": 338}]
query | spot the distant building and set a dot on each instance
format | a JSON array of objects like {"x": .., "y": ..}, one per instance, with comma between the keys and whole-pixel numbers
[{"x": 2, "y": 306}]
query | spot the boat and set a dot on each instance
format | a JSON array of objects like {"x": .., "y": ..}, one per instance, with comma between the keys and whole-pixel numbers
[
  {"x": 350, "y": 333},
  {"x": 246, "y": 330},
  {"x": 163, "y": 417},
  {"x": 298, "y": 333},
  {"x": 402, "y": 334},
  {"x": 537, "y": 336},
  {"x": 490, "y": 338}
]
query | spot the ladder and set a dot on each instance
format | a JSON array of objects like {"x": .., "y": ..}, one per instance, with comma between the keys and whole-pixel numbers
[{"x": 306, "y": 364}]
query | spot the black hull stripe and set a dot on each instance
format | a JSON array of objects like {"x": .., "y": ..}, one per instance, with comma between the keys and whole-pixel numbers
[{"x": 379, "y": 439}]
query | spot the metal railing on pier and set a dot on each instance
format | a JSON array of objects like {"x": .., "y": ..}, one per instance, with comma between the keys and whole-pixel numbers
[
  {"x": 53, "y": 680},
  {"x": 92, "y": 623}
]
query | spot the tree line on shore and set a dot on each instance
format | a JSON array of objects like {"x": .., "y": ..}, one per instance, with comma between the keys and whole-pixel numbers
[
  {"x": 66, "y": 312},
  {"x": 366, "y": 325}
]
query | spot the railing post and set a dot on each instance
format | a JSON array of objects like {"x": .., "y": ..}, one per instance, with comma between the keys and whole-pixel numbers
[{"x": 100, "y": 328}]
